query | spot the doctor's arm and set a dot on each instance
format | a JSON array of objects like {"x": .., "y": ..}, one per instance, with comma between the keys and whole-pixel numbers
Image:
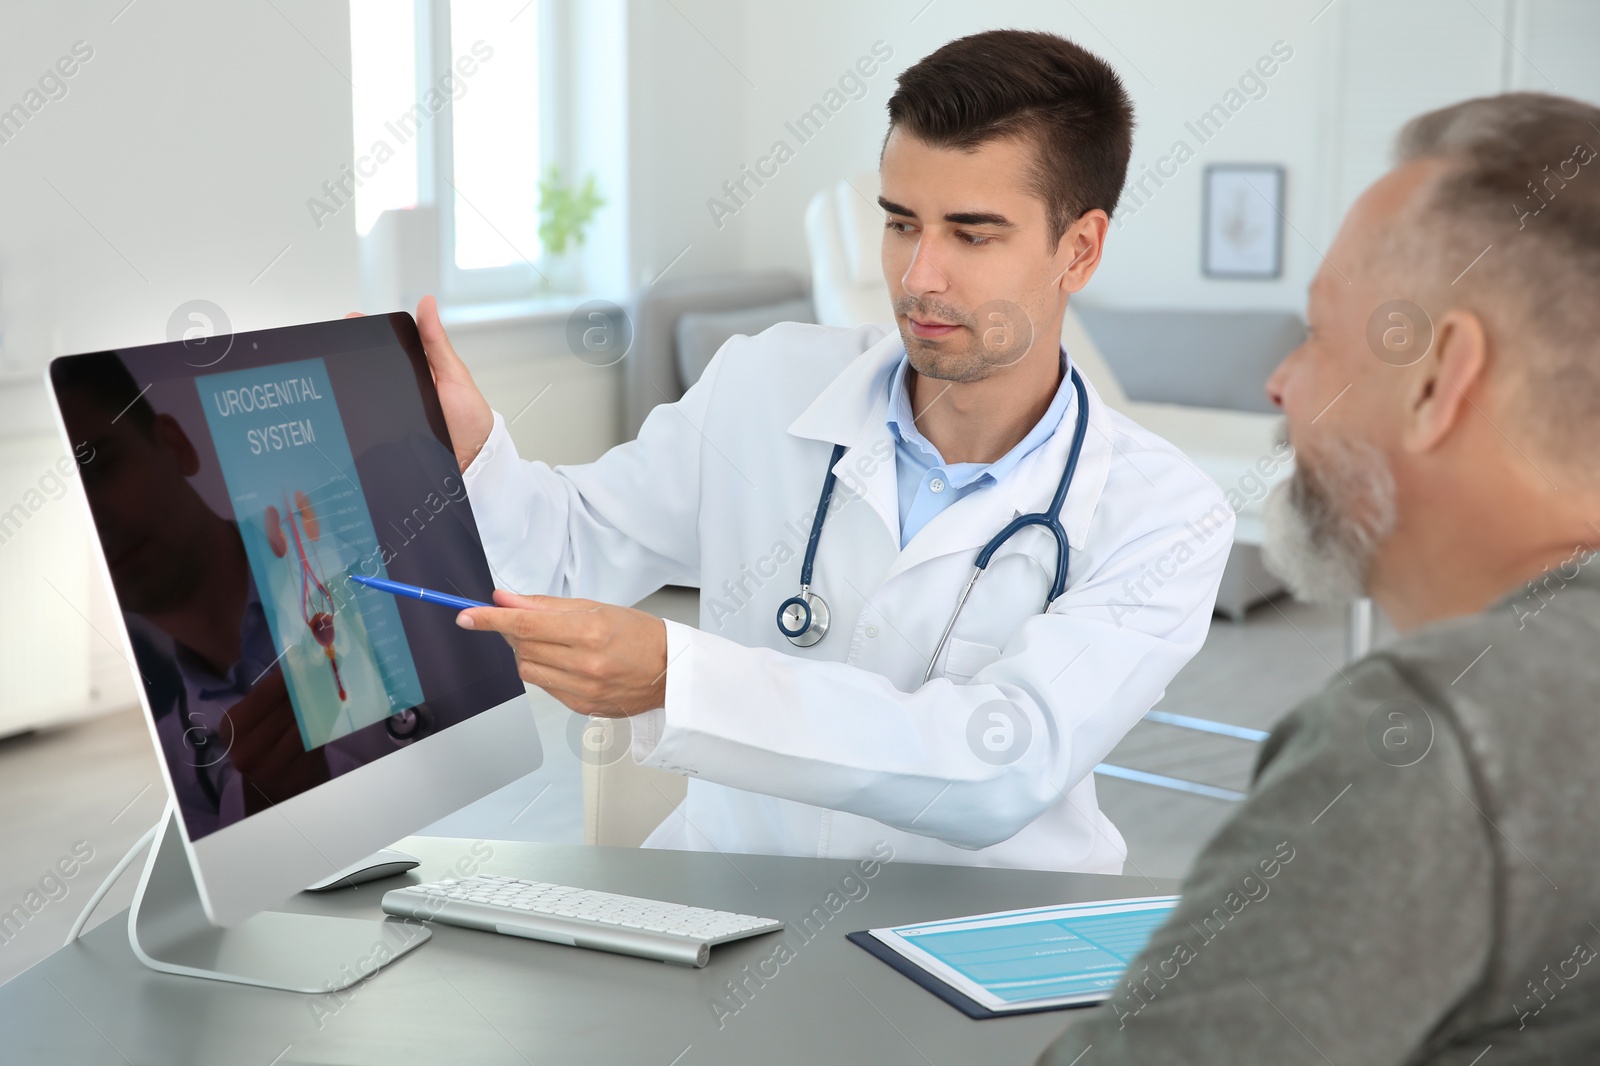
[
  {"x": 968, "y": 763},
  {"x": 614, "y": 530}
]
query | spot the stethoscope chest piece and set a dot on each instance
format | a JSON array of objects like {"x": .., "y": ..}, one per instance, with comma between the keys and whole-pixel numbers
[{"x": 803, "y": 619}]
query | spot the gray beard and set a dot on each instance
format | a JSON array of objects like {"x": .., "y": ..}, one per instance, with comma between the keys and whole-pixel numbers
[{"x": 1325, "y": 522}]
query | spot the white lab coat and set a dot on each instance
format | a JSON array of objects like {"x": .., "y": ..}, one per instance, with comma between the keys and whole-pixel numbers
[{"x": 828, "y": 750}]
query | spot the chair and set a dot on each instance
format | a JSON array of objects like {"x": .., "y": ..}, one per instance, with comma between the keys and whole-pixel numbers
[{"x": 656, "y": 370}]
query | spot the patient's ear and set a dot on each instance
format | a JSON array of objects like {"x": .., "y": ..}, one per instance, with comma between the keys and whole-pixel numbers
[{"x": 1436, "y": 398}]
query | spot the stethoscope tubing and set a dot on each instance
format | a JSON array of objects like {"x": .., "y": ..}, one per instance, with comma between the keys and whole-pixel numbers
[
  {"x": 1050, "y": 519},
  {"x": 803, "y": 600}
]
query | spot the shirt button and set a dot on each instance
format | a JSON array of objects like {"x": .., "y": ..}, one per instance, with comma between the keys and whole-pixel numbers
[
  {"x": 872, "y": 631},
  {"x": 936, "y": 485}
]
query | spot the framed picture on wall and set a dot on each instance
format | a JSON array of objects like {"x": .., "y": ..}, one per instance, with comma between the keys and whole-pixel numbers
[{"x": 1242, "y": 221}]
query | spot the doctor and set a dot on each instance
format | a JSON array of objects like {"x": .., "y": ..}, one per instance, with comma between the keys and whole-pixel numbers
[{"x": 1005, "y": 156}]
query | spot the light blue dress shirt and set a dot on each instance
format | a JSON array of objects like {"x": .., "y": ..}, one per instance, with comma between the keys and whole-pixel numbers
[{"x": 926, "y": 482}]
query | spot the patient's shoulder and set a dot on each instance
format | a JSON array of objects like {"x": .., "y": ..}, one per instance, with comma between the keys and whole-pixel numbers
[
  {"x": 1517, "y": 695},
  {"x": 1532, "y": 651}
]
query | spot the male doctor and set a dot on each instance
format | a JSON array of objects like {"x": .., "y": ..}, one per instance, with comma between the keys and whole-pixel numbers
[{"x": 1004, "y": 159}]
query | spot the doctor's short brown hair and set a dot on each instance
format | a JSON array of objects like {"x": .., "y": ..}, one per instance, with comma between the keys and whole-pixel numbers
[{"x": 1037, "y": 86}]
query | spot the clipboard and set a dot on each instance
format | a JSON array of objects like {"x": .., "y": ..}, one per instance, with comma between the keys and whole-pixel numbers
[
  {"x": 864, "y": 940},
  {"x": 1024, "y": 961}
]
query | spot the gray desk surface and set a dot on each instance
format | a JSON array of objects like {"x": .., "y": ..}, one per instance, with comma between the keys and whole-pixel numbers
[{"x": 480, "y": 998}]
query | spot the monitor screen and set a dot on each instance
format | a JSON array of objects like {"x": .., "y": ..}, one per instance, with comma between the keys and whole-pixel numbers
[{"x": 236, "y": 484}]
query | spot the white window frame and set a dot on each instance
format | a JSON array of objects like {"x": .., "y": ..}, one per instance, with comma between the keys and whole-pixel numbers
[{"x": 435, "y": 152}]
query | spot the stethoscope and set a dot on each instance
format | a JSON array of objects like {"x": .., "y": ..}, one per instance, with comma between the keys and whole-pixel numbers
[{"x": 803, "y": 618}]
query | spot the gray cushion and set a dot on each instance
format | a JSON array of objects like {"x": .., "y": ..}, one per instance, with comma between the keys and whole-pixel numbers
[
  {"x": 1200, "y": 358},
  {"x": 650, "y": 372},
  {"x": 701, "y": 333}
]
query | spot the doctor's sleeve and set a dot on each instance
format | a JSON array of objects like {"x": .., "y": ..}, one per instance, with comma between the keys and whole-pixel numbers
[
  {"x": 613, "y": 530},
  {"x": 1068, "y": 684}
]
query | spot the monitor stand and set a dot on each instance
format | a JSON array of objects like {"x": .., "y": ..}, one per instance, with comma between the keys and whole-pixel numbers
[{"x": 169, "y": 931}]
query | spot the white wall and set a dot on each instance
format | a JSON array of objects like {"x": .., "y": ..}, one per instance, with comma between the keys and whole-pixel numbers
[
  {"x": 686, "y": 116},
  {"x": 193, "y": 137},
  {"x": 1176, "y": 59},
  {"x": 181, "y": 158},
  {"x": 175, "y": 167},
  {"x": 1359, "y": 68}
]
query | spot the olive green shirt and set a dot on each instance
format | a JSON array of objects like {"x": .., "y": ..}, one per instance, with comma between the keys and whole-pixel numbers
[{"x": 1415, "y": 876}]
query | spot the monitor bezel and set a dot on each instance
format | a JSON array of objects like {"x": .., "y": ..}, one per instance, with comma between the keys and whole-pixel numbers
[{"x": 260, "y": 861}]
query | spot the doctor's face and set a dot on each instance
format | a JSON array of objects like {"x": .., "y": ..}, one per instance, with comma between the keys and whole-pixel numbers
[
  {"x": 977, "y": 283},
  {"x": 150, "y": 520}
]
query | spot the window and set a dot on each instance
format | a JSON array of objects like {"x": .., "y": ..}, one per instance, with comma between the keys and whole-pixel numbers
[
  {"x": 383, "y": 73},
  {"x": 461, "y": 93},
  {"x": 495, "y": 147}
]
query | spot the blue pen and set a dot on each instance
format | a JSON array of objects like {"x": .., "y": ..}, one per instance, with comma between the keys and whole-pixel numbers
[{"x": 415, "y": 592}]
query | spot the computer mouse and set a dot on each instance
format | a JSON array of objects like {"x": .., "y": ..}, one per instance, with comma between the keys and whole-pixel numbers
[{"x": 384, "y": 863}]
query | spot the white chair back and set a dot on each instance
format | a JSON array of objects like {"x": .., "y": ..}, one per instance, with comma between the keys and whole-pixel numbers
[{"x": 844, "y": 234}]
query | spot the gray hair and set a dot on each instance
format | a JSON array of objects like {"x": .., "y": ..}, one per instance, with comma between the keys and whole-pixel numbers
[{"x": 1522, "y": 179}]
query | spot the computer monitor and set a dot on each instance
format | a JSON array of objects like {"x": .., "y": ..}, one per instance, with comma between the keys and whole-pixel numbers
[{"x": 303, "y": 720}]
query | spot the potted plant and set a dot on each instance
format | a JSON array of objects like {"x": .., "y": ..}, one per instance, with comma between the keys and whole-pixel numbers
[{"x": 565, "y": 212}]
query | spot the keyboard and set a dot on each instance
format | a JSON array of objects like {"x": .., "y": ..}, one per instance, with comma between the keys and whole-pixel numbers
[{"x": 579, "y": 917}]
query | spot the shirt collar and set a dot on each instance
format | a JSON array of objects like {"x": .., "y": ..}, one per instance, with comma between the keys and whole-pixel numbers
[{"x": 959, "y": 475}]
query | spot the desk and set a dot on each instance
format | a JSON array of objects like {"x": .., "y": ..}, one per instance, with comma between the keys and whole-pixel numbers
[{"x": 480, "y": 998}]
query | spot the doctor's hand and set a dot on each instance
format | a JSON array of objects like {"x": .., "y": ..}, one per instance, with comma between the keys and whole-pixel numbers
[
  {"x": 466, "y": 412},
  {"x": 595, "y": 658}
]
